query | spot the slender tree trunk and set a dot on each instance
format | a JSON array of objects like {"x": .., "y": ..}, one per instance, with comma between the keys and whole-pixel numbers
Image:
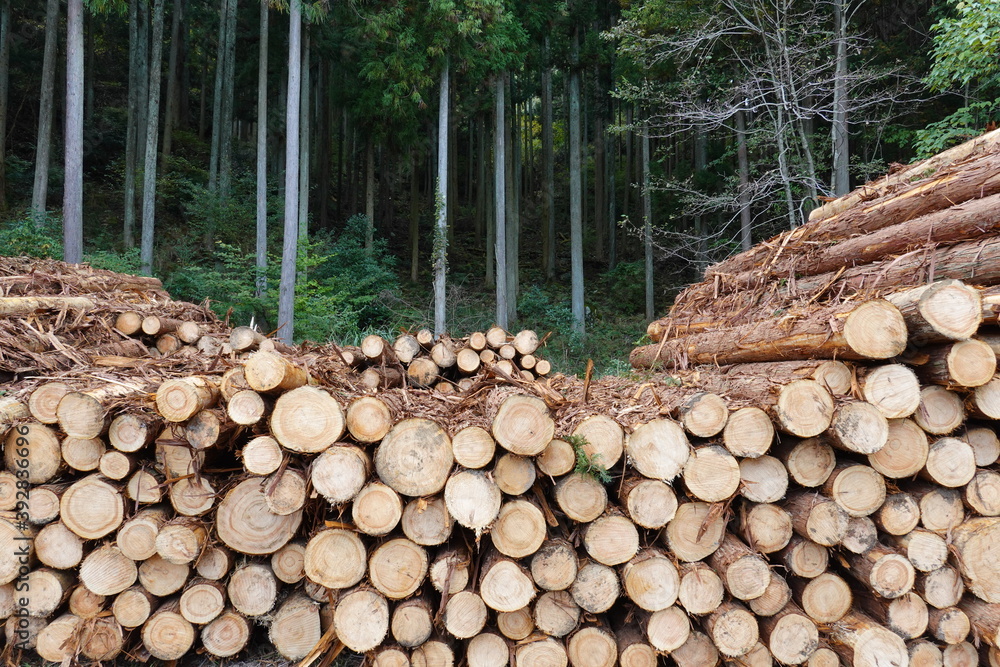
[
  {"x": 304, "y": 140},
  {"x": 548, "y": 166},
  {"x": 600, "y": 185},
  {"x": 629, "y": 140},
  {"x": 786, "y": 178},
  {"x": 647, "y": 223},
  {"x": 341, "y": 140},
  {"x": 203, "y": 98},
  {"x": 513, "y": 207},
  {"x": 182, "y": 116},
  {"x": 414, "y": 217},
  {"x": 480, "y": 160},
  {"x": 170, "y": 113},
  {"x": 500, "y": 201},
  {"x": 43, "y": 144},
  {"x": 73, "y": 182},
  {"x": 370, "y": 193},
  {"x": 700, "y": 221},
  {"x": 90, "y": 72},
  {"x": 838, "y": 126},
  {"x": 440, "y": 260},
  {"x": 575, "y": 189},
  {"x": 132, "y": 131},
  {"x": 152, "y": 131},
  {"x": 489, "y": 211},
  {"x": 262, "y": 152},
  {"x": 4, "y": 100},
  {"x": 746, "y": 239},
  {"x": 289, "y": 254},
  {"x": 611, "y": 175},
  {"x": 229, "y": 83},
  {"x": 217, "y": 97},
  {"x": 323, "y": 157}
]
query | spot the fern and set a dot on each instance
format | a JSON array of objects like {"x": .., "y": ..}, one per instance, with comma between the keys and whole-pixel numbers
[{"x": 587, "y": 464}]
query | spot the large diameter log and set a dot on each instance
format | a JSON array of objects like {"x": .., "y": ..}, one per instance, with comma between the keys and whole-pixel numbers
[
  {"x": 335, "y": 558},
  {"x": 595, "y": 588},
  {"x": 523, "y": 425},
  {"x": 520, "y": 529},
  {"x": 167, "y": 635},
  {"x": 473, "y": 447},
  {"x": 872, "y": 330},
  {"x": 748, "y": 432},
  {"x": 505, "y": 585},
  {"x": 864, "y": 643},
  {"x": 942, "y": 311},
  {"x": 809, "y": 462},
  {"x": 464, "y": 615},
  {"x": 246, "y": 524},
  {"x": 905, "y": 450},
  {"x": 976, "y": 542},
  {"x": 92, "y": 508},
  {"x": 339, "y": 473},
  {"x": 253, "y": 589},
  {"x": 711, "y": 474},
  {"x": 856, "y": 488},
  {"x": 58, "y": 547},
  {"x": 658, "y": 449},
  {"x": 604, "y": 439},
  {"x": 415, "y": 457},
  {"x": 651, "y": 580},
  {"x": 668, "y": 629},
  {"x": 33, "y": 450},
  {"x": 984, "y": 617},
  {"x": 295, "y": 629},
  {"x": 581, "y": 497},
  {"x": 883, "y": 570},
  {"x": 967, "y": 363},
  {"x": 398, "y": 567},
  {"x": 766, "y": 527},
  {"x": 361, "y": 619},
  {"x": 950, "y": 463},
  {"x": 59, "y": 640},
  {"x": 106, "y": 571},
  {"x": 307, "y": 419}
]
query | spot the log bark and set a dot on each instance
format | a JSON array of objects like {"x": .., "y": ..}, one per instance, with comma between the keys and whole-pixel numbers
[
  {"x": 882, "y": 570},
  {"x": 967, "y": 363}
]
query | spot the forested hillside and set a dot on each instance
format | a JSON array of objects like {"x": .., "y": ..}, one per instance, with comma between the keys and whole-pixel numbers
[{"x": 325, "y": 169}]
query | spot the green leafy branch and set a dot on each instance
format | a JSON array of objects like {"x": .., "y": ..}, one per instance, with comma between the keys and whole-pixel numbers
[{"x": 587, "y": 464}]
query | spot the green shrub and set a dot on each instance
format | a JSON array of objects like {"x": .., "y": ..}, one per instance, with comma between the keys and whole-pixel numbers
[{"x": 32, "y": 236}]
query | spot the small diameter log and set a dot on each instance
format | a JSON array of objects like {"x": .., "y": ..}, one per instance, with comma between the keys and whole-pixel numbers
[
  {"x": 745, "y": 574},
  {"x": 377, "y": 509},
  {"x": 43, "y": 402},
  {"x": 523, "y": 425},
  {"x": 215, "y": 563},
  {"x": 339, "y": 473},
  {"x": 422, "y": 372},
  {"x": 967, "y": 363},
  {"x": 711, "y": 474},
  {"x": 296, "y": 627},
  {"x": 129, "y": 322},
  {"x": 368, "y": 419},
  {"x": 406, "y": 348},
  {"x": 892, "y": 388},
  {"x": 253, "y": 589},
  {"x": 962, "y": 654},
  {"x": 232, "y": 381},
  {"x": 649, "y": 503},
  {"x": 542, "y": 651},
  {"x": 651, "y": 580},
  {"x": 526, "y": 342},
  {"x": 542, "y": 367},
  {"x": 398, "y": 567},
  {"x": 131, "y": 431},
  {"x": 766, "y": 527},
  {"x": 950, "y": 463},
  {"x": 704, "y": 414},
  {"x": 581, "y": 497},
  {"x": 556, "y": 614},
  {"x": 804, "y": 558},
  {"x": 262, "y": 455},
  {"x": 557, "y": 459},
  {"x": 776, "y": 596},
  {"x": 415, "y": 458},
  {"x": 467, "y": 360},
  {"x": 82, "y": 454},
  {"x": 58, "y": 641},
  {"x": 107, "y": 571},
  {"x": 58, "y": 547},
  {"x": 208, "y": 428},
  {"x": 431, "y": 653},
  {"x": 288, "y": 562},
  {"x": 658, "y": 449},
  {"x": 942, "y": 311},
  {"x": 974, "y": 543},
  {"x": 950, "y": 625},
  {"x": 982, "y": 493},
  {"x": 464, "y": 615},
  {"x": 898, "y": 515},
  {"x": 984, "y": 401},
  {"x": 92, "y": 508},
  {"x": 592, "y": 646},
  {"x": 376, "y": 349},
  {"x": 202, "y": 601},
  {"x": 33, "y": 448},
  {"x": 506, "y": 586},
  {"x": 790, "y": 635},
  {"x": 748, "y": 432},
  {"x": 102, "y": 639},
  {"x": 133, "y": 606},
  {"x": 154, "y": 325},
  {"x": 427, "y": 521},
  {"x": 611, "y": 539},
  {"x": 162, "y": 578},
  {"x": 858, "y": 639},
  {"x": 45, "y": 590},
  {"x": 43, "y": 503},
  {"x": 926, "y": 550},
  {"x": 192, "y": 496},
  {"x": 882, "y": 570},
  {"x": 307, "y": 420},
  {"x": 513, "y": 474},
  {"x": 763, "y": 479},
  {"x": 181, "y": 540},
  {"x": 858, "y": 427},
  {"x": 246, "y": 524},
  {"x": 412, "y": 622},
  {"x": 817, "y": 518},
  {"x": 472, "y": 498},
  {"x": 285, "y": 491},
  {"x": 375, "y": 378},
  {"x": 167, "y": 635},
  {"x": 167, "y": 344},
  {"x": 137, "y": 536},
  {"x": 520, "y": 529},
  {"x": 985, "y": 444},
  {"x": 554, "y": 566},
  {"x": 180, "y": 399},
  {"x": 905, "y": 450},
  {"x": 906, "y": 615},
  {"x": 335, "y": 558},
  {"x": 633, "y": 649},
  {"x": 8, "y": 491},
  {"x": 809, "y": 462},
  {"x": 941, "y": 588},
  {"x": 516, "y": 625},
  {"x": 443, "y": 354},
  {"x": 668, "y": 629},
  {"x": 941, "y": 411},
  {"x": 862, "y": 534},
  {"x": 701, "y": 589},
  {"x": 246, "y": 408},
  {"x": 940, "y": 509},
  {"x": 857, "y": 489},
  {"x": 695, "y": 532},
  {"x": 473, "y": 447},
  {"x": 924, "y": 653},
  {"x": 507, "y": 353},
  {"x": 825, "y": 598}
]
